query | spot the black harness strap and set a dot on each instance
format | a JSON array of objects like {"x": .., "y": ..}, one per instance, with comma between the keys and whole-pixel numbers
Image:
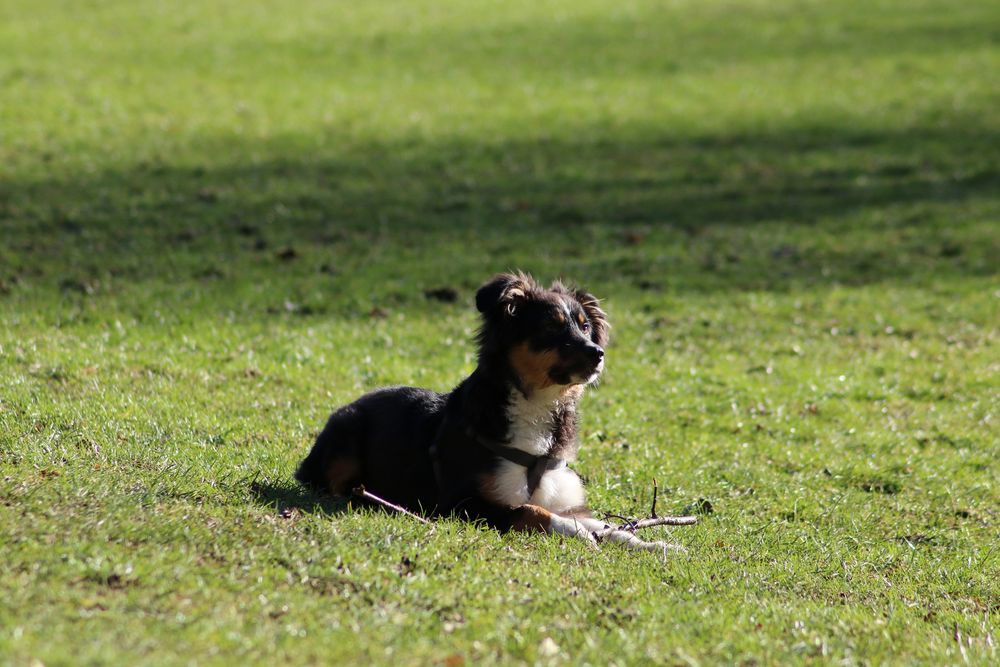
[{"x": 536, "y": 465}]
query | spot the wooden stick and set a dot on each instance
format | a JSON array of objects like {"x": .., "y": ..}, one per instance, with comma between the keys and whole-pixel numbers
[
  {"x": 665, "y": 521},
  {"x": 652, "y": 510},
  {"x": 361, "y": 492}
]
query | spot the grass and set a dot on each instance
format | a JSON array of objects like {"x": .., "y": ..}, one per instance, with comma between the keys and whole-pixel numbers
[{"x": 219, "y": 222}]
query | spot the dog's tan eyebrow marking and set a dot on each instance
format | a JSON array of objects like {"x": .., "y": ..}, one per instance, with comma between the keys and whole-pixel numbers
[
  {"x": 581, "y": 319},
  {"x": 560, "y": 317}
]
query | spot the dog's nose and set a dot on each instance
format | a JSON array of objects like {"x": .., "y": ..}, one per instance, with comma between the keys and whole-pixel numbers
[{"x": 596, "y": 353}]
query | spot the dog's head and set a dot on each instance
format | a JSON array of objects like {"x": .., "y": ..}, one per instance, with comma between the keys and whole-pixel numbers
[{"x": 546, "y": 336}]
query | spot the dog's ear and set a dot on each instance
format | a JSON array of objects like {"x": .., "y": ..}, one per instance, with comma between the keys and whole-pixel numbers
[
  {"x": 503, "y": 292},
  {"x": 598, "y": 319}
]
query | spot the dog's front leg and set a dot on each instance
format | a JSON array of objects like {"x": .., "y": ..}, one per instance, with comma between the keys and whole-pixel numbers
[
  {"x": 534, "y": 518},
  {"x": 630, "y": 541},
  {"x": 626, "y": 538}
]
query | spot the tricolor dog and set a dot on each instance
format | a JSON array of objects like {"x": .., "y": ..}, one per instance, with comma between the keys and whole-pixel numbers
[{"x": 497, "y": 447}]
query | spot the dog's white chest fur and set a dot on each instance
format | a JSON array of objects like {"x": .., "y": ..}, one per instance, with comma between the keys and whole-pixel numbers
[
  {"x": 531, "y": 431},
  {"x": 531, "y": 420}
]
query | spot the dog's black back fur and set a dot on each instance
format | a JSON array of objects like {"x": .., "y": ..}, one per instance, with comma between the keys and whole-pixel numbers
[{"x": 382, "y": 441}]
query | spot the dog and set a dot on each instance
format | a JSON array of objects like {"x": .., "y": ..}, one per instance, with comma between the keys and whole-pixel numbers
[{"x": 497, "y": 447}]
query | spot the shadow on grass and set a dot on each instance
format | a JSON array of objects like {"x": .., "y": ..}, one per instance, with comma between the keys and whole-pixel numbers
[
  {"x": 287, "y": 495},
  {"x": 807, "y": 206}
]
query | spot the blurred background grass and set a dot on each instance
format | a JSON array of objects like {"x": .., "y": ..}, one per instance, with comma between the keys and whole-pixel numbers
[{"x": 717, "y": 146}]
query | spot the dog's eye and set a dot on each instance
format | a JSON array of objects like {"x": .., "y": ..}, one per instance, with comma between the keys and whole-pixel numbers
[{"x": 585, "y": 326}]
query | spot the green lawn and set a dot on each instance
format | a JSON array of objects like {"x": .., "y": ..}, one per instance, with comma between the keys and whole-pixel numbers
[{"x": 218, "y": 221}]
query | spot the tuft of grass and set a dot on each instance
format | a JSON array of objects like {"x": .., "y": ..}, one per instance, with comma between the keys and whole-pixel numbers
[{"x": 219, "y": 222}]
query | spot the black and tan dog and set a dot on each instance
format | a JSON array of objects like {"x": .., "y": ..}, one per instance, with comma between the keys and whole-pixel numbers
[{"x": 496, "y": 448}]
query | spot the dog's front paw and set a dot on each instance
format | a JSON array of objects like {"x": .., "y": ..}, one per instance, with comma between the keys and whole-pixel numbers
[
  {"x": 666, "y": 548},
  {"x": 630, "y": 541}
]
